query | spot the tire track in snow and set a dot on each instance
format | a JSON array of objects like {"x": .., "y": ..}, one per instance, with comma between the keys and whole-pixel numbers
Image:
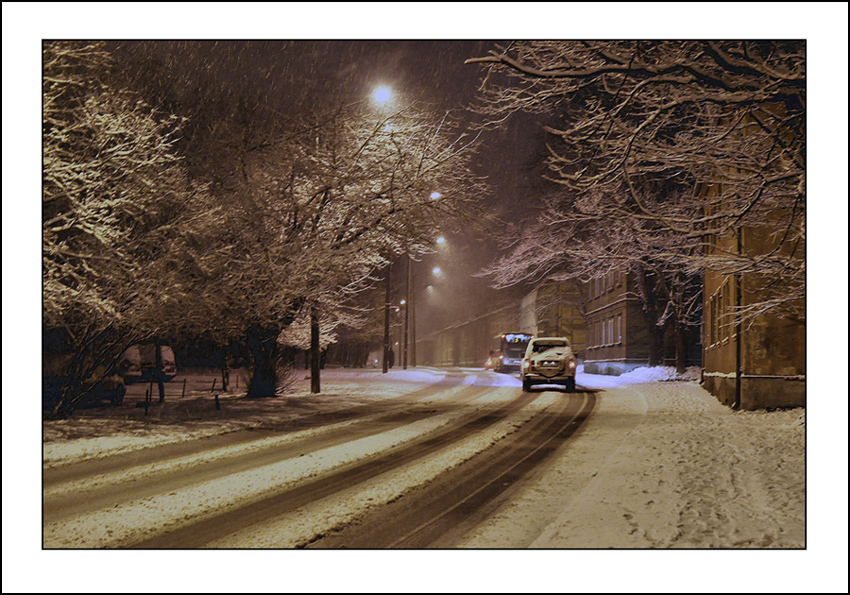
[
  {"x": 306, "y": 524},
  {"x": 125, "y": 522},
  {"x": 75, "y": 496}
]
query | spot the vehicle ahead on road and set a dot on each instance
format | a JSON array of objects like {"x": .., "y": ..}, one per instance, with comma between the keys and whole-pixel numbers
[
  {"x": 549, "y": 360},
  {"x": 506, "y": 352}
]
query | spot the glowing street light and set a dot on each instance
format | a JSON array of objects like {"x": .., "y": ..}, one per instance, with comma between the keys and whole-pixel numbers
[
  {"x": 436, "y": 195},
  {"x": 436, "y": 270},
  {"x": 441, "y": 240},
  {"x": 382, "y": 95}
]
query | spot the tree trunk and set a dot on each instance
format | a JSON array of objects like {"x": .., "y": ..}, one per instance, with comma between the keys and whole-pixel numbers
[
  {"x": 158, "y": 373},
  {"x": 225, "y": 376},
  {"x": 262, "y": 343},
  {"x": 656, "y": 343},
  {"x": 315, "y": 356},
  {"x": 681, "y": 348},
  {"x": 649, "y": 306}
]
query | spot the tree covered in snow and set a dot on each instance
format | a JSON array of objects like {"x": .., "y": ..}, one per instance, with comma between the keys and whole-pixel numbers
[
  {"x": 315, "y": 198},
  {"x": 345, "y": 193},
  {"x": 114, "y": 209},
  {"x": 658, "y": 146}
]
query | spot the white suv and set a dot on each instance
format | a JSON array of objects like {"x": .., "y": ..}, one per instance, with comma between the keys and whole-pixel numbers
[{"x": 549, "y": 360}]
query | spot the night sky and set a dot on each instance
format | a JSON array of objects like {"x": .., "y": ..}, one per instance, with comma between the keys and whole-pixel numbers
[{"x": 288, "y": 74}]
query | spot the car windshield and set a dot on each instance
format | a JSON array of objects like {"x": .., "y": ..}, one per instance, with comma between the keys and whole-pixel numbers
[{"x": 538, "y": 347}]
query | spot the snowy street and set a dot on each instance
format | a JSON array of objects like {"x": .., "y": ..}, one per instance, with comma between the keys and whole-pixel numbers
[{"x": 656, "y": 465}]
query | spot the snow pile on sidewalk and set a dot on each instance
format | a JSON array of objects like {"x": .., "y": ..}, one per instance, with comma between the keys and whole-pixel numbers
[{"x": 661, "y": 374}]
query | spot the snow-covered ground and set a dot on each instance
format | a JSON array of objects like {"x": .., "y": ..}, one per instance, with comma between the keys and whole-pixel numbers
[{"x": 661, "y": 464}]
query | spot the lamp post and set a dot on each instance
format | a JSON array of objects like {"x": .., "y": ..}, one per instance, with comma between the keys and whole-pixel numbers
[
  {"x": 382, "y": 96},
  {"x": 385, "y": 367},
  {"x": 406, "y": 305},
  {"x": 410, "y": 307}
]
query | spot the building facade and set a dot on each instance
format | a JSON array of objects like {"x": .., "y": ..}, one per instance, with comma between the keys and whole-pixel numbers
[
  {"x": 556, "y": 310},
  {"x": 758, "y": 362},
  {"x": 618, "y": 338}
]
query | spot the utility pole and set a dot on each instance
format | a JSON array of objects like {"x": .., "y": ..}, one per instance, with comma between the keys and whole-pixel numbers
[
  {"x": 315, "y": 362},
  {"x": 413, "y": 322},
  {"x": 407, "y": 310},
  {"x": 387, "y": 322}
]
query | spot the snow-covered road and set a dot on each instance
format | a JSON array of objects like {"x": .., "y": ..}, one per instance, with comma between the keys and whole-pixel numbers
[{"x": 659, "y": 464}]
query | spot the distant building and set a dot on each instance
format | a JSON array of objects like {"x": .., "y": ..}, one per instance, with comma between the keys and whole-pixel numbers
[
  {"x": 621, "y": 336},
  {"x": 617, "y": 335},
  {"x": 467, "y": 343},
  {"x": 556, "y": 309}
]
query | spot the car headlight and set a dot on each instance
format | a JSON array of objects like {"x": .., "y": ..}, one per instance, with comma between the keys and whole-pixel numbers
[{"x": 572, "y": 364}]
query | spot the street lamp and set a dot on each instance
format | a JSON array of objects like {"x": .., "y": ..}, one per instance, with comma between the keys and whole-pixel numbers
[{"x": 382, "y": 95}]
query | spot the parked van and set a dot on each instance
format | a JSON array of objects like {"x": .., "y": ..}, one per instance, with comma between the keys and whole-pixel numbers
[{"x": 138, "y": 362}]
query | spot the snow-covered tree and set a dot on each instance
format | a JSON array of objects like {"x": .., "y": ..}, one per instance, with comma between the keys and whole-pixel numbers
[
  {"x": 719, "y": 126},
  {"x": 114, "y": 202},
  {"x": 346, "y": 192},
  {"x": 301, "y": 208},
  {"x": 584, "y": 240}
]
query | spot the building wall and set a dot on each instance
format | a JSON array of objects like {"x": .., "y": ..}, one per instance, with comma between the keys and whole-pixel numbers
[
  {"x": 617, "y": 336},
  {"x": 528, "y": 314},
  {"x": 754, "y": 364},
  {"x": 556, "y": 310},
  {"x": 560, "y": 314}
]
